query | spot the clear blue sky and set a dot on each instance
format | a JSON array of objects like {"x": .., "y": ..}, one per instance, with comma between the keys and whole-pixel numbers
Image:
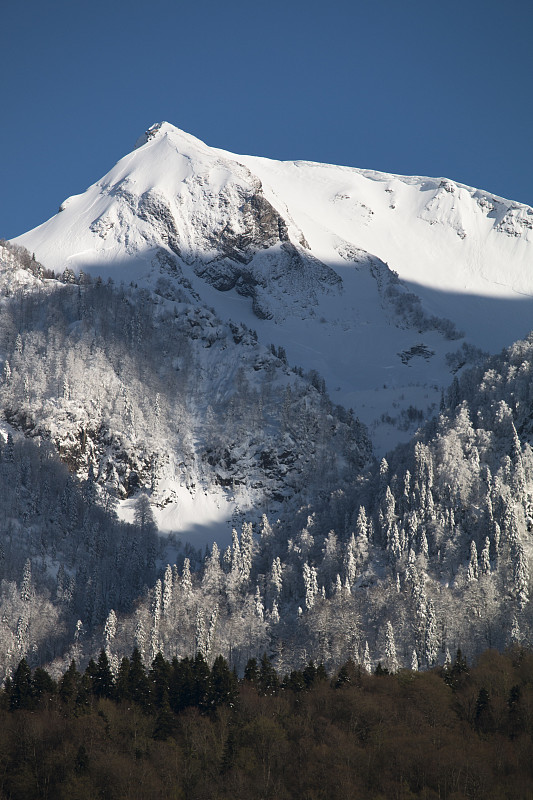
[{"x": 428, "y": 88}]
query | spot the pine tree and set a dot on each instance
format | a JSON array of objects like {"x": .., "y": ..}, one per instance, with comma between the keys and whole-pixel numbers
[
  {"x": 310, "y": 584},
  {"x": 26, "y": 588},
  {"x": 201, "y": 677},
  {"x": 42, "y": 684},
  {"x": 472, "y": 572},
  {"x": 213, "y": 578},
  {"x": 21, "y": 687},
  {"x": 484, "y": 558},
  {"x": 268, "y": 677},
  {"x": 258, "y": 603},
  {"x": 367, "y": 664},
  {"x": 122, "y": 680},
  {"x": 138, "y": 684},
  {"x": 110, "y": 628},
  {"x": 156, "y": 619},
  {"x": 246, "y": 552},
  {"x": 431, "y": 642},
  {"x": 165, "y": 722},
  {"x": 186, "y": 579},
  {"x": 69, "y": 683},
  {"x": 213, "y": 619},
  {"x": 251, "y": 672},
  {"x": 520, "y": 574},
  {"x": 350, "y": 561},
  {"x": 167, "y": 590},
  {"x": 102, "y": 678},
  {"x": 143, "y": 514},
  {"x": 140, "y": 637},
  {"x": 159, "y": 679},
  {"x": 276, "y": 581},
  {"x": 391, "y": 660},
  {"x": 200, "y": 638},
  {"x": 223, "y": 687}
]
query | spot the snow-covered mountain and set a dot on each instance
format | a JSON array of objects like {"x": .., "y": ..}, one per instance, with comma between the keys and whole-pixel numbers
[
  {"x": 384, "y": 284},
  {"x": 188, "y": 338}
]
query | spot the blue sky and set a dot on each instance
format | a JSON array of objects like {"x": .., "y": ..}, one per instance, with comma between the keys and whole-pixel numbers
[{"x": 426, "y": 88}]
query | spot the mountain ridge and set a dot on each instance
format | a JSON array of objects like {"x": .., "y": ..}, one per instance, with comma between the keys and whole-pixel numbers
[{"x": 316, "y": 258}]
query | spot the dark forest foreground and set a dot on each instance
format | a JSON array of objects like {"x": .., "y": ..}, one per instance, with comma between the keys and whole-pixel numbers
[{"x": 187, "y": 730}]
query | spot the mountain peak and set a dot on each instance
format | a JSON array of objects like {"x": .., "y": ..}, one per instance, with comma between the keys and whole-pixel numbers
[
  {"x": 361, "y": 275},
  {"x": 152, "y": 131},
  {"x": 161, "y": 129}
]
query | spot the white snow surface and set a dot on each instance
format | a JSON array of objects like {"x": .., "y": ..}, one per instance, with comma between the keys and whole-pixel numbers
[
  {"x": 201, "y": 517},
  {"x": 467, "y": 254}
]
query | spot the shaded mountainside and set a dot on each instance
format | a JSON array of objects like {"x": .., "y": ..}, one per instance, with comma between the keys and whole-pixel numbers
[
  {"x": 139, "y": 392},
  {"x": 149, "y": 390},
  {"x": 399, "y": 563}
]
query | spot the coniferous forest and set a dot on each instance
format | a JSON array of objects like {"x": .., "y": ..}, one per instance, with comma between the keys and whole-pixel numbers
[
  {"x": 183, "y": 729},
  {"x": 339, "y": 556}
]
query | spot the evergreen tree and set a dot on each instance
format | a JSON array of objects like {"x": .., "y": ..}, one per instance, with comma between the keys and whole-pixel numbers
[
  {"x": 42, "y": 684},
  {"x": 160, "y": 680},
  {"x": 138, "y": 683},
  {"x": 268, "y": 677},
  {"x": 431, "y": 643},
  {"x": 21, "y": 694},
  {"x": 201, "y": 677},
  {"x": 251, "y": 672},
  {"x": 69, "y": 683},
  {"x": 122, "y": 681},
  {"x": 367, "y": 666},
  {"x": 223, "y": 687},
  {"x": 165, "y": 722},
  {"x": 391, "y": 660},
  {"x": 102, "y": 677}
]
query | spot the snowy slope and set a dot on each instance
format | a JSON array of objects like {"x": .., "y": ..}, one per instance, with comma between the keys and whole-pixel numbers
[
  {"x": 139, "y": 391},
  {"x": 306, "y": 254}
]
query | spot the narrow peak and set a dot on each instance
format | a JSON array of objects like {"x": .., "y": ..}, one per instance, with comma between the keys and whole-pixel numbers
[
  {"x": 159, "y": 129},
  {"x": 152, "y": 131}
]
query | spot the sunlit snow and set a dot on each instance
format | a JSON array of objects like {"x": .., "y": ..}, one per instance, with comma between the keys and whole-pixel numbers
[{"x": 465, "y": 253}]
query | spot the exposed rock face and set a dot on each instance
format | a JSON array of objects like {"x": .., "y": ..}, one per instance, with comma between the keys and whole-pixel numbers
[
  {"x": 259, "y": 226},
  {"x": 247, "y": 249},
  {"x": 152, "y": 208}
]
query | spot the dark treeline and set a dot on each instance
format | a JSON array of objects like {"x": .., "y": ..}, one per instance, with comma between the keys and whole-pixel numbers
[{"x": 183, "y": 729}]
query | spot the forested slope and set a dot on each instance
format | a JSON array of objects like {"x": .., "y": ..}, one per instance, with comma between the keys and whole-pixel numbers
[
  {"x": 183, "y": 729},
  {"x": 332, "y": 556}
]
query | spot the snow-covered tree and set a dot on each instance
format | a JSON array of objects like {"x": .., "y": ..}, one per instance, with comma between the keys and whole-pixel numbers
[
  {"x": 310, "y": 584},
  {"x": 390, "y": 660}
]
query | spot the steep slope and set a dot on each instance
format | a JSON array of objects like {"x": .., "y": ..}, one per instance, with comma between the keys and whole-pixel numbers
[
  {"x": 148, "y": 391},
  {"x": 399, "y": 564},
  {"x": 368, "y": 278},
  {"x": 430, "y": 552},
  {"x": 148, "y": 397}
]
